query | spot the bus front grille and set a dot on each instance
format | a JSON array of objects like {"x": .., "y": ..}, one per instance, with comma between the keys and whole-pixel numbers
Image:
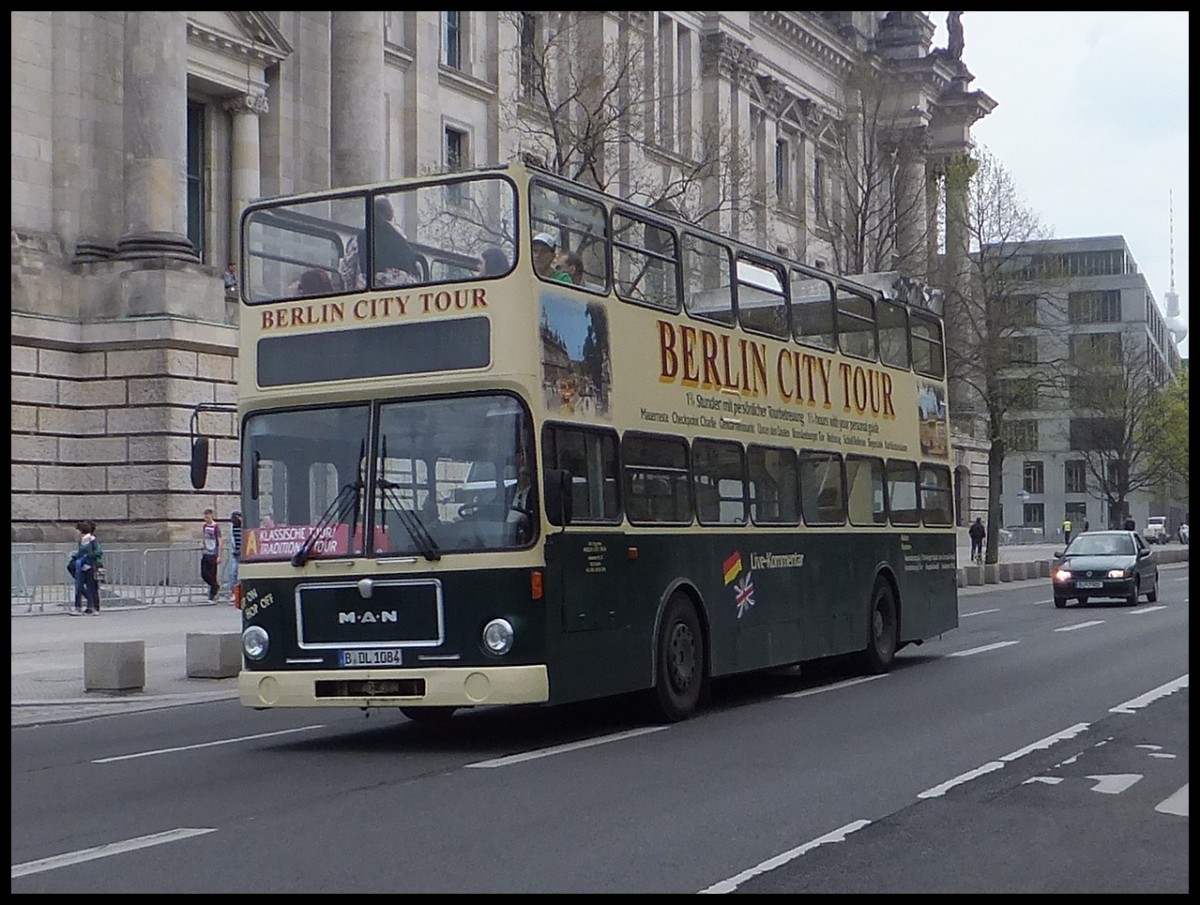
[{"x": 370, "y": 688}]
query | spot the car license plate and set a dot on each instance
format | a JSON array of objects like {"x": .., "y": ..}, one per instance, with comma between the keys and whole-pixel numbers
[
  {"x": 1085, "y": 585},
  {"x": 387, "y": 656}
]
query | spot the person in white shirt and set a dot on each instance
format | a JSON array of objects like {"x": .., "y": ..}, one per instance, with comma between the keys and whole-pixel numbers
[{"x": 520, "y": 510}]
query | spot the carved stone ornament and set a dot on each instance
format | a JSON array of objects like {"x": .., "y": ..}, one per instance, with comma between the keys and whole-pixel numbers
[
  {"x": 247, "y": 103},
  {"x": 727, "y": 56}
]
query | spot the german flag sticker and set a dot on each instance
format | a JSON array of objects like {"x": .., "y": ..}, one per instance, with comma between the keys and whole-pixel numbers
[{"x": 732, "y": 567}]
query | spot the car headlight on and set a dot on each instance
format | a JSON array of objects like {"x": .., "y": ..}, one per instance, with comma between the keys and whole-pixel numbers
[
  {"x": 255, "y": 642},
  {"x": 1118, "y": 573},
  {"x": 498, "y": 637},
  {"x": 1062, "y": 575}
]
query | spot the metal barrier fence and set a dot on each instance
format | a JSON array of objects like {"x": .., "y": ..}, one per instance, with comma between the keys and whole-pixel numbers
[{"x": 134, "y": 576}]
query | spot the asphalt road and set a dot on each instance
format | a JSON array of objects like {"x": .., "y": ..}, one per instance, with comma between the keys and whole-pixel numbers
[{"x": 1029, "y": 750}]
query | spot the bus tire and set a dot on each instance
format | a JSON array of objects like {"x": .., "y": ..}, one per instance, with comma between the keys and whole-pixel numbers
[
  {"x": 883, "y": 628},
  {"x": 679, "y": 661},
  {"x": 428, "y": 714}
]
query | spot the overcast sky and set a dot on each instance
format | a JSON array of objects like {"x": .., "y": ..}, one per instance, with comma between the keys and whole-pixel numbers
[{"x": 1092, "y": 124}]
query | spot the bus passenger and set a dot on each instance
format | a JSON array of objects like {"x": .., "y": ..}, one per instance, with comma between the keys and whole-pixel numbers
[
  {"x": 313, "y": 281},
  {"x": 571, "y": 264},
  {"x": 544, "y": 248},
  {"x": 394, "y": 261},
  {"x": 492, "y": 262}
]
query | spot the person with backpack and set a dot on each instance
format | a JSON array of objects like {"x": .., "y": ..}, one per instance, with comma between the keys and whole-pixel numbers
[
  {"x": 977, "y": 533},
  {"x": 210, "y": 553},
  {"x": 85, "y": 565}
]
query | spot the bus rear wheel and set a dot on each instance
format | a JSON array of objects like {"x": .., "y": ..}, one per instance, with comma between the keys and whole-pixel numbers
[
  {"x": 428, "y": 714},
  {"x": 883, "y": 629},
  {"x": 679, "y": 671}
]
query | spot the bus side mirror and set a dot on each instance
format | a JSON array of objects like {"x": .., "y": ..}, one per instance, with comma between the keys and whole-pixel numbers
[
  {"x": 199, "y": 462},
  {"x": 559, "y": 503}
]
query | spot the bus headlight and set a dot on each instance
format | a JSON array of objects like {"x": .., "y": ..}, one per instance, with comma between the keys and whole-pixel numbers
[
  {"x": 255, "y": 642},
  {"x": 498, "y": 637}
]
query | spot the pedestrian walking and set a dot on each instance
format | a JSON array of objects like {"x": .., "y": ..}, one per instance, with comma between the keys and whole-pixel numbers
[
  {"x": 1087, "y": 526},
  {"x": 977, "y": 533},
  {"x": 210, "y": 553},
  {"x": 85, "y": 565},
  {"x": 235, "y": 554},
  {"x": 1066, "y": 530}
]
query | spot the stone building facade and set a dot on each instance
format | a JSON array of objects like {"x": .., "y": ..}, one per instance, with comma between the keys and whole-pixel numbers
[{"x": 137, "y": 137}]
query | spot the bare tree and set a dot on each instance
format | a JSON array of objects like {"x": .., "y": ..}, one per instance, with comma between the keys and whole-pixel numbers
[
  {"x": 1118, "y": 431},
  {"x": 996, "y": 365},
  {"x": 591, "y": 105},
  {"x": 878, "y": 220}
]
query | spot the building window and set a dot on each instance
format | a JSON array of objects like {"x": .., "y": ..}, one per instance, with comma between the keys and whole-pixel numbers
[
  {"x": 1099, "y": 306},
  {"x": 1075, "y": 476},
  {"x": 1035, "y": 477},
  {"x": 454, "y": 39},
  {"x": 1017, "y": 310},
  {"x": 783, "y": 186},
  {"x": 1018, "y": 350},
  {"x": 1035, "y": 515},
  {"x": 456, "y": 160},
  {"x": 1021, "y": 435},
  {"x": 819, "y": 188},
  {"x": 196, "y": 129},
  {"x": 1091, "y": 349},
  {"x": 1076, "y": 515},
  {"x": 1018, "y": 393},
  {"x": 528, "y": 59}
]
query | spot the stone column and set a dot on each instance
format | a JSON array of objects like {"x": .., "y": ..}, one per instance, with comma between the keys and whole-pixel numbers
[
  {"x": 356, "y": 104},
  {"x": 726, "y": 65},
  {"x": 155, "y": 133},
  {"x": 245, "y": 183}
]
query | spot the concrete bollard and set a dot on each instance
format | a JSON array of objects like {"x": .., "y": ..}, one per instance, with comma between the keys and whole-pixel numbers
[
  {"x": 1006, "y": 570},
  {"x": 974, "y": 575},
  {"x": 213, "y": 655},
  {"x": 991, "y": 574},
  {"x": 1026, "y": 571},
  {"x": 114, "y": 665},
  {"x": 1043, "y": 568}
]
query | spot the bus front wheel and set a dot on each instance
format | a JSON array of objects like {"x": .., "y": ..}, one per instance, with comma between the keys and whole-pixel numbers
[
  {"x": 884, "y": 629},
  {"x": 679, "y": 674}
]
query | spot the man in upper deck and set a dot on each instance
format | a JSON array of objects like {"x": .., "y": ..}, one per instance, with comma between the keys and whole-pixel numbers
[{"x": 393, "y": 260}]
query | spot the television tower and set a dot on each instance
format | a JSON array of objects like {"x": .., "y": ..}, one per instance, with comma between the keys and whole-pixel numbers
[{"x": 1176, "y": 325}]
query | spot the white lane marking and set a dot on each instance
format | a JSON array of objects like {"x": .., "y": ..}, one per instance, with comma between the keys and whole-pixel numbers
[
  {"x": 562, "y": 749},
  {"x": 1044, "y": 780},
  {"x": 834, "y": 687},
  {"x": 1182, "y": 579},
  {"x": 838, "y": 835},
  {"x": 224, "y": 741},
  {"x": 1176, "y": 803},
  {"x": 1151, "y": 696},
  {"x": 980, "y": 650},
  {"x": 1071, "y": 628},
  {"x": 992, "y": 766},
  {"x": 979, "y": 612},
  {"x": 106, "y": 850},
  {"x": 1114, "y": 783},
  {"x": 1145, "y": 609}
]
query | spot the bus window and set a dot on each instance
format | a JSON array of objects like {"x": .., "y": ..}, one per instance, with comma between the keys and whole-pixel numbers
[
  {"x": 577, "y": 225},
  {"x": 645, "y": 262},
  {"x": 656, "y": 480},
  {"x": 864, "y": 490},
  {"x": 893, "y": 334},
  {"x": 719, "y": 479},
  {"x": 285, "y": 241},
  {"x": 812, "y": 310},
  {"x": 761, "y": 302},
  {"x": 855, "y": 323},
  {"x": 822, "y": 496},
  {"x": 591, "y": 458},
  {"x": 928, "y": 355},
  {"x": 449, "y": 224},
  {"x": 902, "y": 492},
  {"x": 936, "y": 497},
  {"x": 707, "y": 287},
  {"x": 774, "y": 499}
]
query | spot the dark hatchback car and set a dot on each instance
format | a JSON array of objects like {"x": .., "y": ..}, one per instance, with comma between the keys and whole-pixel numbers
[{"x": 1105, "y": 564}]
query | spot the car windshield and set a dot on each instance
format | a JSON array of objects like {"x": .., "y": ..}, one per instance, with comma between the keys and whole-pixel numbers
[{"x": 1101, "y": 545}]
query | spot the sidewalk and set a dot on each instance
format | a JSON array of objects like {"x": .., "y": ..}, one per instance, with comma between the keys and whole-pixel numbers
[{"x": 47, "y": 660}]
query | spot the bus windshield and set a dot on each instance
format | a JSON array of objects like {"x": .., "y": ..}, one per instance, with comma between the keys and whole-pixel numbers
[{"x": 447, "y": 479}]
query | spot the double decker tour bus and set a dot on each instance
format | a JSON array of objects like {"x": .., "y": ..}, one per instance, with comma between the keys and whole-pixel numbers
[{"x": 470, "y": 481}]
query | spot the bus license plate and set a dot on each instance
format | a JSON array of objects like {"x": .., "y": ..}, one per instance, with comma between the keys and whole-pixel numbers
[
  {"x": 376, "y": 657},
  {"x": 1089, "y": 584}
]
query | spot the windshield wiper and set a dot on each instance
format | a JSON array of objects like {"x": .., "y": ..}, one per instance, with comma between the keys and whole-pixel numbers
[
  {"x": 347, "y": 503},
  {"x": 411, "y": 521}
]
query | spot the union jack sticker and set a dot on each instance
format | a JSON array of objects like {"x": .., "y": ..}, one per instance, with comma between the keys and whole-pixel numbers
[{"x": 743, "y": 594}]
